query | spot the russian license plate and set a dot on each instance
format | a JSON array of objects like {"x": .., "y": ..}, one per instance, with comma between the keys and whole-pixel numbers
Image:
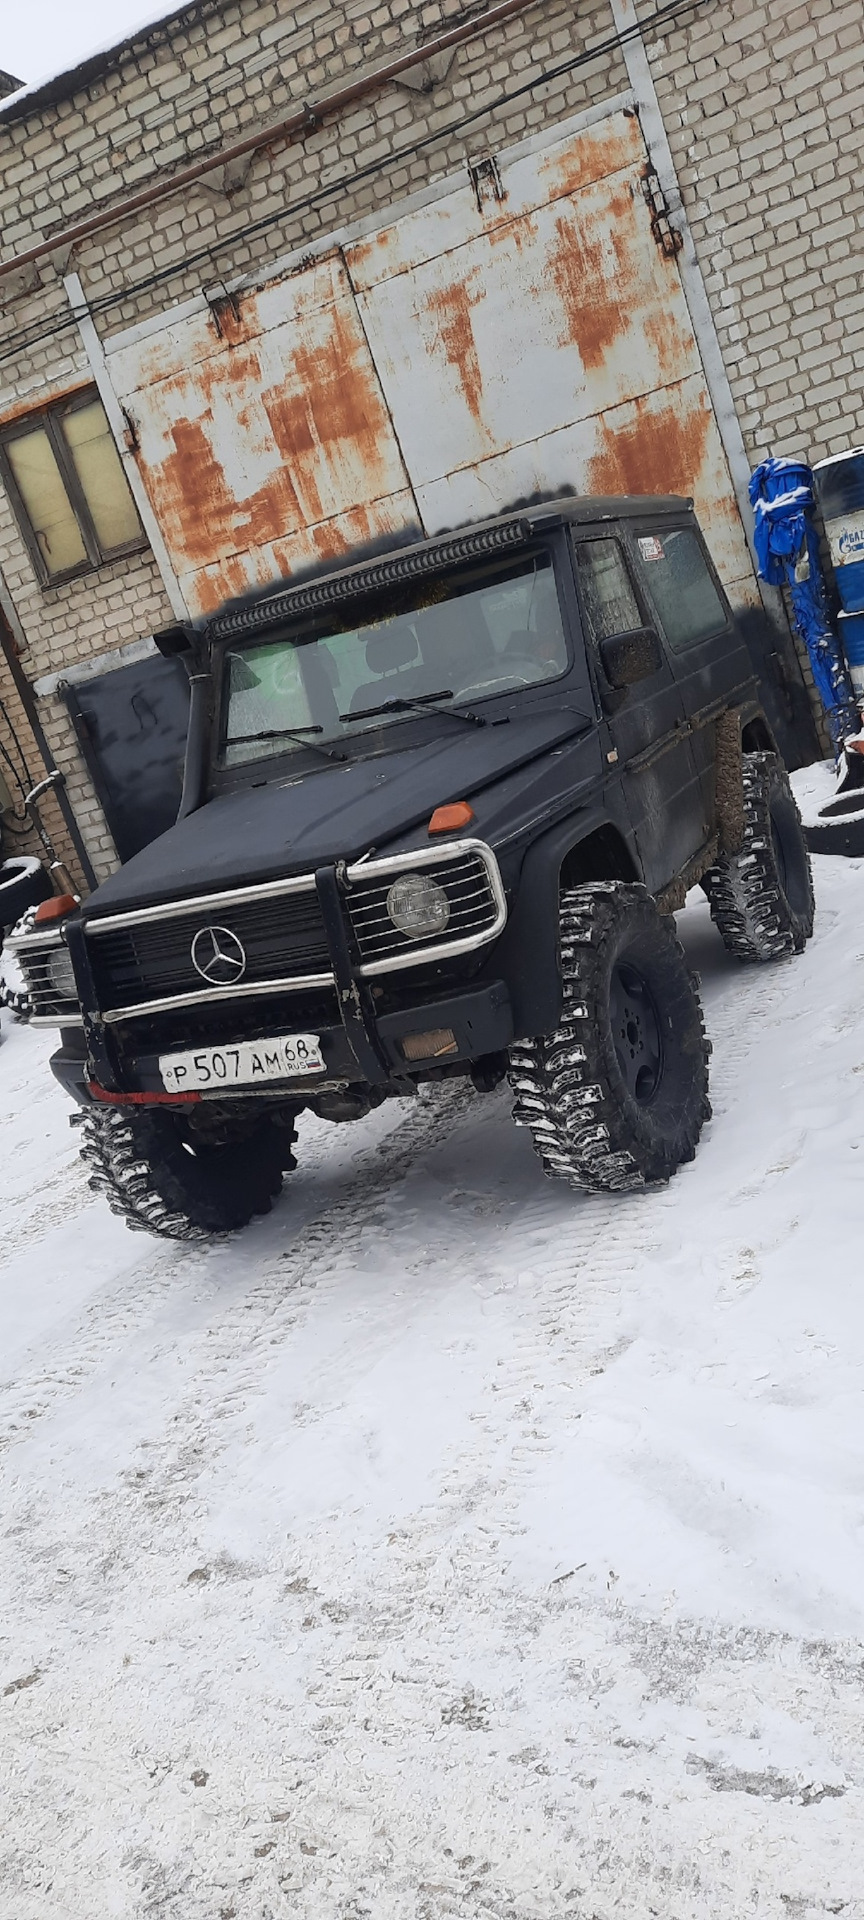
[{"x": 289, "y": 1056}]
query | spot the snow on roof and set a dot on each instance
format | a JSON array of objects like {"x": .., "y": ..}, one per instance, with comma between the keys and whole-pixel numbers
[{"x": 51, "y": 87}]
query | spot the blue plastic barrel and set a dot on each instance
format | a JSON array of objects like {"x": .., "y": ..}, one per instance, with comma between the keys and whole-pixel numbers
[
  {"x": 852, "y": 642},
  {"x": 840, "y": 492}
]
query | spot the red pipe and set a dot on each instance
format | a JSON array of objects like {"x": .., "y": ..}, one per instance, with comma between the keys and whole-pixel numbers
[{"x": 140, "y": 1099}]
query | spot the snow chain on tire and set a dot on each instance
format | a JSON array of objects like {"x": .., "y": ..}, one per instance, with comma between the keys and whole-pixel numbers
[
  {"x": 761, "y": 912},
  {"x": 138, "y": 1180},
  {"x": 568, "y": 1092}
]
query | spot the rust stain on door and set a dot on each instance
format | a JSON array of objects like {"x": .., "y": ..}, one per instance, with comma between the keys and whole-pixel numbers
[
  {"x": 657, "y": 451},
  {"x": 451, "y": 308},
  {"x": 590, "y": 274},
  {"x": 600, "y": 151}
]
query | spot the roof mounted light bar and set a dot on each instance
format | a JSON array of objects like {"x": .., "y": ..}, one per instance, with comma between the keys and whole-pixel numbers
[{"x": 409, "y": 564}]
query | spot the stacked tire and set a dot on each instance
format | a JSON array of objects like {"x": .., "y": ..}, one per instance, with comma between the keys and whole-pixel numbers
[{"x": 24, "y": 884}]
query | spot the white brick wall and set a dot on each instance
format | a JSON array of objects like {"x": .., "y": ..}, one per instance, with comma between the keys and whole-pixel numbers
[{"x": 763, "y": 107}]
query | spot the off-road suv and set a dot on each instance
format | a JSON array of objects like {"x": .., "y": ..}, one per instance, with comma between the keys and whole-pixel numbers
[{"x": 439, "y": 807}]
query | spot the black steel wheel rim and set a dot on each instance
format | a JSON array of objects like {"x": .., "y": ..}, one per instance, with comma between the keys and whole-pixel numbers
[
  {"x": 790, "y": 857},
  {"x": 779, "y": 853},
  {"x": 636, "y": 1033}
]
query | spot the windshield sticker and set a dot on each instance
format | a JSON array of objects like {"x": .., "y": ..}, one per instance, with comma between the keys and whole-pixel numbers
[{"x": 650, "y": 547}]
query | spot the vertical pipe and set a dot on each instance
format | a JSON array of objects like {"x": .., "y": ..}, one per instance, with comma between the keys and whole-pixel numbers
[{"x": 99, "y": 367}]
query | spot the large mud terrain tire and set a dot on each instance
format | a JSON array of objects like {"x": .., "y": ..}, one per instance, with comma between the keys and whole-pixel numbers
[
  {"x": 618, "y": 1096},
  {"x": 153, "y": 1173},
  {"x": 762, "y": 898}
]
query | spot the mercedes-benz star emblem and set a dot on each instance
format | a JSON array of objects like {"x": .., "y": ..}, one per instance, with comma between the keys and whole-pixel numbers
[{"x": 218, "y": 956}]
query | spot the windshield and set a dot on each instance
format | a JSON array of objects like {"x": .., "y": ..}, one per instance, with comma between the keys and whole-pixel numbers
[{"x": 459, "y": 638}]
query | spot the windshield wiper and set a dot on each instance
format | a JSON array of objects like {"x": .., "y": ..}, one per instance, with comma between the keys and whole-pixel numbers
[
  {"x": 287, "y": 733},
  {"x": 418, "y": 704}
]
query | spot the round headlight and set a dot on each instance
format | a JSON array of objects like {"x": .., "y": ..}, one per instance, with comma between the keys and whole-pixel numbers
[
  {"x": 61, "y": 974},
  {"x": 418, "y": 906}
]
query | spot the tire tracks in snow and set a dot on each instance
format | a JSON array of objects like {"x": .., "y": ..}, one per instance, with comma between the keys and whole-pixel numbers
[
  {"x": 557, "y": 1347},
  {"x": 281, "y": 1292},
  {"x": 112, "y": 1317}
]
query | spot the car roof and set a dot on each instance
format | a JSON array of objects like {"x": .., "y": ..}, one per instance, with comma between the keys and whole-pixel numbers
[
  {"x": 368, "y": 569},
  {"x": 605, "y": 506}
]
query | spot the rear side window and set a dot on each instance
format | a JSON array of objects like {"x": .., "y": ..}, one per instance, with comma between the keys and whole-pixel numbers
[
  {"x": 607, "y": 593},
  {"x": 681, "y": 587}
]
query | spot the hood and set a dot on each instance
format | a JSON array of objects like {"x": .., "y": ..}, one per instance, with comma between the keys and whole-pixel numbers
[{"x": 328, "y": 813}]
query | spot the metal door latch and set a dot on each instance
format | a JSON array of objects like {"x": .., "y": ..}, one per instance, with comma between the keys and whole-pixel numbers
[{"x": 668, "y": 238}]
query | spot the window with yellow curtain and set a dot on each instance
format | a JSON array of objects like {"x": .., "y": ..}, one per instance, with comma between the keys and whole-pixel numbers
[{"x": 66, "y": 483}]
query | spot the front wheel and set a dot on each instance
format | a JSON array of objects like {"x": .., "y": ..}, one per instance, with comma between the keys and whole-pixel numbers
[
  {"x": 617, "y": 1097},
  {"x": 761, "y": 898},
  {"x": 163, "y": 1179}
]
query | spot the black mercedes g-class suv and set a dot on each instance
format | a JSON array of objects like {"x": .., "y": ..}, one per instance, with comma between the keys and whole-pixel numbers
[{"x": 439, "y": 807}]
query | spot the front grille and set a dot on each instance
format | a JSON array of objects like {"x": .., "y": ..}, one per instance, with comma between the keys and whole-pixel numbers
[
  {"x": 473, "y": 911},
  {"x": 142, "y": 961},
  {"x": 283, "y": 939}
]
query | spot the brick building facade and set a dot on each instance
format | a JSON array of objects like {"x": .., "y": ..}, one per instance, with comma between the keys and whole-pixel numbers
[{"x": 752, "y": 120}]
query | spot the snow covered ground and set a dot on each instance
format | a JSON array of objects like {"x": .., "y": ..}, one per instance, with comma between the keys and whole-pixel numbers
[{"x": 449, "y": 1543}]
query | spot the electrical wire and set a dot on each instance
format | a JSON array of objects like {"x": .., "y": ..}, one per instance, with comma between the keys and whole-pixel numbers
[
  {"x": 20, "y": 822},
  {"x": 674, "y": 12},
  {"x": 6, "y": 715}
]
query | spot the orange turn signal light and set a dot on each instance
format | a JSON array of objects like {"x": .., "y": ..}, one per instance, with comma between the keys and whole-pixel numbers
[
  {"x": 448, "y": 819},
  {"x": 54, "y": 909}
]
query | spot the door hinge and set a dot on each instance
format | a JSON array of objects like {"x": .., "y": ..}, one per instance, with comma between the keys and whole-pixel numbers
[
  {"x": 668, "y": 238},
  {"x": 221, "y": 303},
  {"x": 485, "y": 176}
]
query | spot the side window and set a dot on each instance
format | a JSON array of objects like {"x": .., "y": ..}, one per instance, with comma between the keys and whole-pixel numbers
[
  {"x": 65, "y": 480},
  {"x": 607, "y": 594},
  {"x": 681, "y": 587}
]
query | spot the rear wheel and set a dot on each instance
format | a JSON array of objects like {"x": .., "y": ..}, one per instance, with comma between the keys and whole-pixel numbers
[
  {"x": 618, "y": 1096},
  {"x": 762, "y": 897},
  {"x": 161, "y": 1179}
]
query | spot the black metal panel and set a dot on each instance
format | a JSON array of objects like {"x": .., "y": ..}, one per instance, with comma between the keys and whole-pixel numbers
[{"x": 131, "y": 726}]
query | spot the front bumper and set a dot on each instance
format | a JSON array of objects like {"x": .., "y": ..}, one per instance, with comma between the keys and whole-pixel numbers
[{"x": 462, "y": 1027}]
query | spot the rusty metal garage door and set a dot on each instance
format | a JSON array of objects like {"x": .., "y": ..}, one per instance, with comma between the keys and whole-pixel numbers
[{"x": 523, "y": 330}]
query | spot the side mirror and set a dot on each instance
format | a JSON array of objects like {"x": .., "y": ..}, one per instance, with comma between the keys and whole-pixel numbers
[{"x": 629, "y": 657}]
